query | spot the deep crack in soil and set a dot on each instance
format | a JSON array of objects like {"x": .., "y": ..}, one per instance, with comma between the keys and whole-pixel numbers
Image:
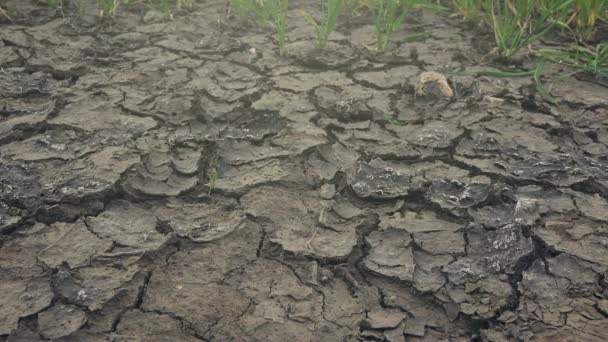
[{"x": 178, "y": 181}]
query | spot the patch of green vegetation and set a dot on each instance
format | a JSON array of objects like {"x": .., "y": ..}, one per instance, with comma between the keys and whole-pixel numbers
[
  {"x": 324, "y": 27},
  {"x": 580, "y": 15},
  {"x": 390, "y": 16},
  {"x": 580, "y": 57},
  {"x": 518, "y": 23}
]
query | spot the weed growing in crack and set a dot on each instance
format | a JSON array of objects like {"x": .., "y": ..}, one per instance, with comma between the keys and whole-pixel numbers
[
  {"x": 107, "y": 7},
  {"x": 324, "y": 27},
  {"x": 354, "y": 7},
  {"x": 279, "y": 19},
  {"x": 470, "y": 10},
  {"x": 271, "y": 13},
  {"x": 184, "y": 4},
  {"x": 391, "y": 14}
]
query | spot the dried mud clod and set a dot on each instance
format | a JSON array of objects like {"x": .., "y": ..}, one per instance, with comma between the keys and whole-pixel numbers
[{"x": 178, "y": 181}]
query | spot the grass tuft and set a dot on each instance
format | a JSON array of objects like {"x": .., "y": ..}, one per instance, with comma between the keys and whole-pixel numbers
[{"x": 324, "y": 27}]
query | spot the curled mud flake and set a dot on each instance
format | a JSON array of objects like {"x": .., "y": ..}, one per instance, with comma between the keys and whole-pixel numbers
[
  {"x": 53, "y": 145},
  {"x": 254, "y": 126},
  {"x": 384, "y": 319},
  {"x": 95, "y": 114},
  {"x": 283, "y": 102},
  {"x": 332, "y": 238},
  {"x": 128, "y": 225},
  {"x": 333, "y": 56},
  {"x": 19, "y": 118},
  {"x": 162, "y": 174},
  {"x": 414, "y": 222},
  {"x": 149, "y": 326},
  {"x": 9, "y": 218},
  {"x": 225, "y": 81},
  {"x": 60, "y": 320},
  {"x": 70, "y": 244},
  {"x": 490, "y": 252},
  {"x": 21, "y": 298},
  {"x": 390, "y": 254},
  {"x": 441, "y": 242},
  {"x": 433, "y": 134},
  {"x": 579, "y": 238},
  {"x": 583, "y": 280},
  {"x": 457, "y": 196},
  {"x": 204, "y": 306},
  {"x": 428, "y": 276},
  {"x": 240, "y": 152},
  {"x": 95, "y": 286},
  {"x": 239, "y": 179},
  {"x": 305, "y": 82},
  {"x": 526, "y": 211},
  {"x": 353, "y": 103},
  {"x": 379, "y": 142},
  {"x": 390, "y": 78},
  {"x": 200, "y": 222},
  {"x": 377, "y": 179},
  {"x": 592, "y": 206}
]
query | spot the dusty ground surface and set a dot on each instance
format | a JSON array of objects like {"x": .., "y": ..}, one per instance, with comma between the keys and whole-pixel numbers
[{"x": 178, "y": 181}]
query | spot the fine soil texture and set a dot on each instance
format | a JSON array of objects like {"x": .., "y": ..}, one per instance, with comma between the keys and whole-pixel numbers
[{"x": 178, "y": 180}]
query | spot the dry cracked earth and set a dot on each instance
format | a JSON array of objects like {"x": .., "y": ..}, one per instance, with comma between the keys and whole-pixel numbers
[{"x": 178, "y": 181}]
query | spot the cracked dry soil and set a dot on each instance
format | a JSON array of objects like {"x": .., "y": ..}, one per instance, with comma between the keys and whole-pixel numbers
[{"x": 178, "y": 181}]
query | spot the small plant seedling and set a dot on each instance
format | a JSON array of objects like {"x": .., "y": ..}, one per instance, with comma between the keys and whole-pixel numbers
[
  {"x": 326, "y": 26},
  {"x": 391, "y": 14},
  {"x": 278, "y": 14}
]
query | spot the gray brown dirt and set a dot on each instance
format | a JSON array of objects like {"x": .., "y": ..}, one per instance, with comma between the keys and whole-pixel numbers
[{"x": 178, "y": 181}]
